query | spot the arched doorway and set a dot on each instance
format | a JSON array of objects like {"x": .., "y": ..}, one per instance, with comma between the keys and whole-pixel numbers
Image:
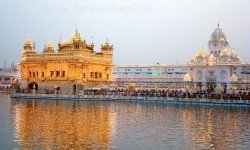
[
  {"x": 199, "y": 86},
  {"x": 74, "y": 89},
  {"x": 33, "y": 85},
  {"x": 211, "y": 87},
  {"x": 223, "y": 87}
]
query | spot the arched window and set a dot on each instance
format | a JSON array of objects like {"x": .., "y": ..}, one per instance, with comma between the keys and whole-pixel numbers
[{"x": 77, "y": 46}]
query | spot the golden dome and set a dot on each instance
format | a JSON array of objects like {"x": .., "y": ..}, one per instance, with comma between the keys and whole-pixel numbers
[
  {"x": 234, "y": 78},
  {"x": 28, "y": 46},
  {"x": 28, "y": 42},
  {"x": 201, "y": 53},
  {"x": 211, "y": 59},
  {"x": 233, "y": 53},
  {"x": 49, "y": 48},
  {"x": 107, "y": 45},
  {"x": 50, "y": 45},
  {"x": 225, "y": 52},
  {"x": 70, "y": 41},
  {"x": 76, "y": 38},
  {"x": 77, "y": 34},
  {"x": 187, "y": 78}
]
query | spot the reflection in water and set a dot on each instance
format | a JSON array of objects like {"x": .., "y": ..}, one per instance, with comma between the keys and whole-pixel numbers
[
  {"x": 217, "y": 128},
  {"x": 62, "y": 125},
  {"x": 44, "y": 124}
]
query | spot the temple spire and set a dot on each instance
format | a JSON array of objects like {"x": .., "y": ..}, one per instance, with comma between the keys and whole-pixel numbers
[
  {"x": 60, "y": 38},
  {"x": 50, "y": 41},
  {"x": 28, "y": 44},
  {"x": 107, "y": 41},
  {"x": 27, "y": 39},
  {"x": 77, "y": 34}
]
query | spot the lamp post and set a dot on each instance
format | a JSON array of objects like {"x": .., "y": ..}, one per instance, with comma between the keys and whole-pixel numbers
[
  {"x": 167, "y": 91},
  {"x": 187, "y": 90},
  {"x": 56, "y": 88},
  {"x": 155, "y": 90},
  {"x": 34, "y": 89},
  {"x": 221, "y": 92}
]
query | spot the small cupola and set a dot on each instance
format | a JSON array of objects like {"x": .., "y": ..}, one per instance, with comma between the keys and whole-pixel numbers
[
  {"x": 107, "y": 48},
  {"x": 49, "y": 48},
  {"x": 28, "y": 45}
]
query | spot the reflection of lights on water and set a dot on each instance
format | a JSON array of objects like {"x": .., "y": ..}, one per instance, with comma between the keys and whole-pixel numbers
[
  {"x": 46, "y": 124},
  {"x": 113, "y": 121},
  {"x": 103, "y": 124},
  {"x": 17, "y": 122},
  {"x": 209, "y": 130}
]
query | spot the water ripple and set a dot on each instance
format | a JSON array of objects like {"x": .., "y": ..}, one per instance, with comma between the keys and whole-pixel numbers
[{"x": 41, "y": 124}]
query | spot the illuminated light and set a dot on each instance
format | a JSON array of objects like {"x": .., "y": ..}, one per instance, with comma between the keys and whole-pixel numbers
[{"x": 71, "y": 64}]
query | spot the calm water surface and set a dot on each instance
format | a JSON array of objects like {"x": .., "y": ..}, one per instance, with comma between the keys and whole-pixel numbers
[{"x": 44, "y": 124}]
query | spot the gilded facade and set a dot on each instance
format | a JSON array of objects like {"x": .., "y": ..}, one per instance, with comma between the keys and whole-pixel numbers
[{"x": 75, "y": 65}]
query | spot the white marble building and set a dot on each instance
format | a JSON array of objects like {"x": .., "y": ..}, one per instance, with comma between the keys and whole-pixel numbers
[
  {"x": 218, "y": 69},
  {"x": 6, "y": 77}
]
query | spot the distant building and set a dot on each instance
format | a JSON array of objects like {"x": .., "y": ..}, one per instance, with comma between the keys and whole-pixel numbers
[
  {"x": 74, "y": 66},
  {"x": 219, "y": 69},
  {"x": 6, "y": 77}
]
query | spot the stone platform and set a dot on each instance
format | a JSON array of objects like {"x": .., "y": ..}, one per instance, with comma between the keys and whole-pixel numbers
[{"x": 167, "y": 100}]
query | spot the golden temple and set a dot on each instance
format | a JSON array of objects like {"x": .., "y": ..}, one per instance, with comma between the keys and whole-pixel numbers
[{"x": 73, "y": 67}]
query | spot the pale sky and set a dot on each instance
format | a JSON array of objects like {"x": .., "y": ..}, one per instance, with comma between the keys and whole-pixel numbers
[{"x": 142, "y": 31}]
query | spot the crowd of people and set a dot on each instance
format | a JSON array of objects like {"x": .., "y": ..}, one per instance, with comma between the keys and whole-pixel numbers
[
  {"x": 172, "y": 93},
  {"x": 39, "y": 91},
  {"x": 5, "y": 88},
  {"x": 151, "y": 93}
]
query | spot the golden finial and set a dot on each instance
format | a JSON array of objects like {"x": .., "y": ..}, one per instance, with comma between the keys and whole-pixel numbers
[
  {"x": 28, "y": 42},
  {"x": 77, "y": 34},
  {"x": 28, "y": 38},
  {"x": 60, "y": 40},
  {"x": 92, "y": 41},
  {"x": 202, "y": 49},
  {"x": 50, "y": 40},
  {"x": 50, "y": 43},
  {"x": 218, "y": 25}
]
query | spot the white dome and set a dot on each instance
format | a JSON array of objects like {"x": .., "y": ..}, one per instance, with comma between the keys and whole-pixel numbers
[
  {"x": 218, "y": 34},
  {"x": 211, "y": 59},
  {"x": 201, "y": 53},
  {"x": 233, "y": 53}
]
